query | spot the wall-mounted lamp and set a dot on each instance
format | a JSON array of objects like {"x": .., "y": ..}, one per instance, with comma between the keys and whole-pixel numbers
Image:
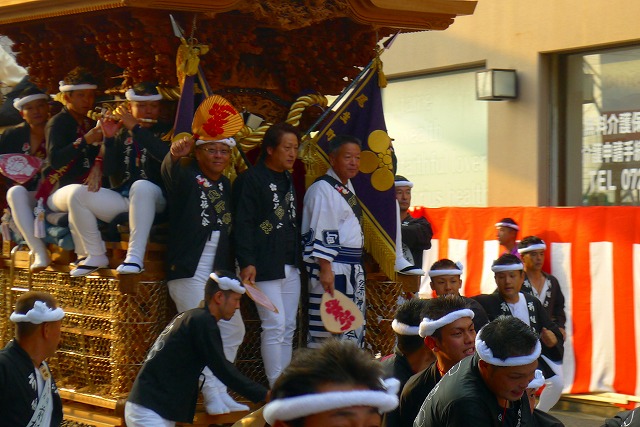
[{"x": 496, "y": 84}]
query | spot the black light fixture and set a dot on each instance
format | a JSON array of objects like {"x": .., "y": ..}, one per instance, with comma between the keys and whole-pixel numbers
[{"x": 496, "y": 84}]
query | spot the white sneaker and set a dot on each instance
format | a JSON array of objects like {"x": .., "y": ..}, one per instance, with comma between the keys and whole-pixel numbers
[
  {"x": 232, "y": 404},
  {"x": 40, "y": 262},
  {"x": 213, "y": 403},
  {"x": 405, "y": 267},
  {"x": 130, "y": 268}
]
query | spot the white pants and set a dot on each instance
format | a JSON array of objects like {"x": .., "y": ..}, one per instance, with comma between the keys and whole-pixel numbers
[
  {"x": 59, "y": 202},
  {"x": 278, "y": 328},
  {"x": 138, "y": 416},
  {"x": 187, "y": 293},
  {"x": 145, "y": 199},
  {"x": 551, "y": 394},
  {"x": 22, "y": 203}
]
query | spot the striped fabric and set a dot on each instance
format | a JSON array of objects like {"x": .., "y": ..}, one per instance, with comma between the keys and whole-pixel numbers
[{"x": 589, "y": 249}]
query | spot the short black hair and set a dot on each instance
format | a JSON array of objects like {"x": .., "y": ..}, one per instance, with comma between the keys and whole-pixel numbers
[
  {"x": 79, "y": 75},
  {"x": 335, "y": 362},
  {"x": 31, "y": 90},
  {"x": 508, "y": 336},
  {"x": 509, "y": 221},
  {"x": 273, "y": 136},
  {"x": 444, "y": 264},
  {"x": 439, "y": 307},
  {"x": 528, "y": 241},
  {"x": 211, "y": 287},
  {"x": 506, "y": 259},
  {"x": 145, "y": 88},
  {"x": 410, "y": 313},
  {"x": 339, "y": 140}
]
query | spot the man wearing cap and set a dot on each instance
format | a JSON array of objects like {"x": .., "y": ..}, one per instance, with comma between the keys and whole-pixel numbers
[
  {"x": 507, "y": 232},
  {"x": 335, "y": 385},
  {"x": 509, "y": 301},
  {"x": 411, "y": 355},
  {"x": 28, "y": 392},
  {"x": 199, "y": 234},
  {"x": 448, "y": 331},
  {"x": 333, "y": 238},
  {"x": 546, "y": 289},
  {"x": 134, "y": 150},
  {"x": 446, "y": 279},
  {"x": 416, "y": 232},
  {"x": 487, "y": 389},
  {"x": 166, "y": 388}
]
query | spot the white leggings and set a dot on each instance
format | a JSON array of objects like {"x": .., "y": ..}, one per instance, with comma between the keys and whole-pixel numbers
[
  {"x": 59, "y": 202},
  {"x": 278, "y": 328},
  {"x": 187, "y": 293},
  {"x": 22, "y": 203},
  {"x": 145, "y": 199}
]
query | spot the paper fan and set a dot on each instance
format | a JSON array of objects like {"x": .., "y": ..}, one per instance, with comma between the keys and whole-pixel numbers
[
  {"x": 259, "y": 297},
  {"x": 216, "y": 119},
  {"x": 19, "y": 167},
  {"x": 339, "y": 314}
]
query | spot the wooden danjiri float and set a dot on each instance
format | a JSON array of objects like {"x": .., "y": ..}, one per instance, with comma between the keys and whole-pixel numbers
[{"x": 262, "y": 55}]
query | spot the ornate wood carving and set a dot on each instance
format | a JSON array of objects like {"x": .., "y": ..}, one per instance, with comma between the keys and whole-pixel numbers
[{"x": 271, "y": 49}]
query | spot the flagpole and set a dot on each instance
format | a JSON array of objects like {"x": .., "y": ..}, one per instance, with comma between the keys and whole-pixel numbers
[
  {"x": 179, "y": 33},
  {"x": 339, "y": 98},
  {"x": 386, "y": 45}
]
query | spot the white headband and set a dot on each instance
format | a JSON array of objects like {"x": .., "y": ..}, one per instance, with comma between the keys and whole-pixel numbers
[
  {"x": 486, "y": 354},
  {"x": 291, "y": 408},
  {"x": 18, "y": 103},
  {"x": 131, "y": 96},
  {"x": 403, "y": 184},
  {"x": 38, "y": 314},
  {"x": 506, "y": 267},
  {"x": 450, "y": 272},
  {"x": 404, "y": 329},
  {"x": 535, "y": 247},
  {"x": 507, "y": 224},
  {"x": 429, "y": 326},
  {"x": 537, "y": 381},
  {"x": 228, "y": 284},
  {"x": 68, "y": 88},
  {"x": 230, "y": 142}
]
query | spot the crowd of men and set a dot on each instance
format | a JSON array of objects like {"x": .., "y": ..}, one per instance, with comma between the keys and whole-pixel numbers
[{"x": 457, "y": 358}]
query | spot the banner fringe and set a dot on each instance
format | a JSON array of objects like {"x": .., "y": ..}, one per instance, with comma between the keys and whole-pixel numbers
[{"x": 379, "y": 248}]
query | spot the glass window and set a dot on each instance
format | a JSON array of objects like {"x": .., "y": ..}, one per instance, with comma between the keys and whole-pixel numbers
[
  {"x": 440, "y": 137},
  {"x": 603, "y": 128}
]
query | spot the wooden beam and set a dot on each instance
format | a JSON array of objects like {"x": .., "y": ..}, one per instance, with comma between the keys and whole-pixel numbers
[{"x": 410, "y": 14}]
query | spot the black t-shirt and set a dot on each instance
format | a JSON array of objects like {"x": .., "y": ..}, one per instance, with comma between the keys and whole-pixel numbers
[{"x": 414, "y": 392}]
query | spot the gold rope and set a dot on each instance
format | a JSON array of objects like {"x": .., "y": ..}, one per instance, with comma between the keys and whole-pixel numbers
[
  {"x": 300, "y": 104},
  {"x": 248, "y": 139}
]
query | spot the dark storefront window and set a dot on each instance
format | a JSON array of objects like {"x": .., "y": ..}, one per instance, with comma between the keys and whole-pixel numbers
[{"x": 603, "y": 127}]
